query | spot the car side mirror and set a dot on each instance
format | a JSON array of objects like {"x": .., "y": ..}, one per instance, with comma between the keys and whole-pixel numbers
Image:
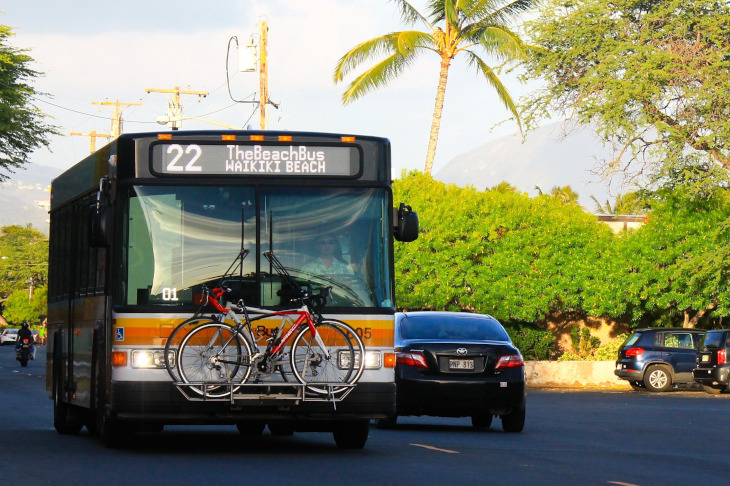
[{"x": 405, "y": 224}]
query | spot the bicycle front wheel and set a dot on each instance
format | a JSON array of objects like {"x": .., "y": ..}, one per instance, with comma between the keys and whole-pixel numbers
[
  {"x": 341, "y": 362},
  {"x": 172, "y": 345},
  {"x": 212, "y": 355}
]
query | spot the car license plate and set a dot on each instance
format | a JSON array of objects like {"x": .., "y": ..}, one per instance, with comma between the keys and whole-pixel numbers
[
  {"x": 705, "y": 358},
  {"x": 461, "y": 364}
]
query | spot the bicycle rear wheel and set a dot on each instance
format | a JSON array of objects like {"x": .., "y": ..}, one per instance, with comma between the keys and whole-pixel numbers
[
  {"x": 214, "y": 354},
  {"x": 320, "y": 373},
  {"x": 174, "y": 340}
]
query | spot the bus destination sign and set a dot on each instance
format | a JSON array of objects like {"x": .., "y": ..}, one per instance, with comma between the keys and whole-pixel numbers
[{"x": 261, "y": 160}]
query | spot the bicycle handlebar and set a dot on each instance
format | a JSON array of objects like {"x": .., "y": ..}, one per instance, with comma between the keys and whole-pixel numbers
[{"x": 314, "y": 301}]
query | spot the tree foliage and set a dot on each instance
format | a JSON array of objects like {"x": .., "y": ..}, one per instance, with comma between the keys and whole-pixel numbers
[
  {"x": 453, "y": 27},
  {"x": 652, "y": 76},
  {"x": 678, "y": 265},
  {"x": 22, "y": 128},
  {"x": 525, "y": 259},
  {"x": 19, "y": 307},
  {"x": 23, "y": 258},
  {"x": 496, "y": 252}
]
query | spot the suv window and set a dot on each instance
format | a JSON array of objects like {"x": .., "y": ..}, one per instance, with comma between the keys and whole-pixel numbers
[
  {"x": 632, "y": 339},
  {"x": 714, "y": 338},
  {"x": 678, "y": 339}
]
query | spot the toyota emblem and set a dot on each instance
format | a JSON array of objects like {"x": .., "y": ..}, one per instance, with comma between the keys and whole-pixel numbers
[{"x": 461, "y": 351}]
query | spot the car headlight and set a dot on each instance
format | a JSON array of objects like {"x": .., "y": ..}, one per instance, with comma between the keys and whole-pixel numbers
[
  {"x": 373, "y": 359},
  {"x": 150, "y": 358}
]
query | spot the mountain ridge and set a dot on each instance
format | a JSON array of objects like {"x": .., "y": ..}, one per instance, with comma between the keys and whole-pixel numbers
[{"x": 545, "y": 159}]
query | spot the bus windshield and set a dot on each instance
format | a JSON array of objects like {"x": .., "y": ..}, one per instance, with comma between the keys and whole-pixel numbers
[{"x": 178, "y": 239}]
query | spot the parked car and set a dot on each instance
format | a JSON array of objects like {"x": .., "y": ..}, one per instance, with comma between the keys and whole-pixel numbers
[
  {"x": 656, "y": 359},
  {"x": 456, "y": 364},
  {"x": 712, "y": 370},
  {"x": 8, "y": 336}
]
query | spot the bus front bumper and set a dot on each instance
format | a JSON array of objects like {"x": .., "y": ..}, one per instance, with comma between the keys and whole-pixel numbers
[{"x": 162, "y": 402}]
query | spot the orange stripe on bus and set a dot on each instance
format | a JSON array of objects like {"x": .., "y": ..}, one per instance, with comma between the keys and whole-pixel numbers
[{"x": 154, "y": 332}]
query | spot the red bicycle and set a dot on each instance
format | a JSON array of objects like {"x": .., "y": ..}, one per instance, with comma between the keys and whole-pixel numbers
[{"x": 325, "y": 355}]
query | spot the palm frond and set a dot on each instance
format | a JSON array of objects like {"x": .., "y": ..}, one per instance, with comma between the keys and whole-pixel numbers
[
  {"x": 494, "y": 82},
  {"x": 497, "y": 40},
  {"x": 600, "y": 209},
  {"x": 499, "y": 12},
  {"x": 452, "y": 14},
  {"x": 404, "y": 43},
  {"x": 410, "y": 14},
  {"x": 377, "y": 76},
  {"x": 375, "y": 47}
]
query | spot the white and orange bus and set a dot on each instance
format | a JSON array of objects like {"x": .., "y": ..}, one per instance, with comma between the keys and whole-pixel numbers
[{"x": 141, "y": 226}]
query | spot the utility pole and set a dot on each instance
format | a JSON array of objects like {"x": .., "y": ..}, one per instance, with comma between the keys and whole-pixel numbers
[
  {"x": 93, "y": 136},
  {"x": 117, "y": 117},
  {"x": 174, "y": 107},
  {"x": 263, "y": 74}
]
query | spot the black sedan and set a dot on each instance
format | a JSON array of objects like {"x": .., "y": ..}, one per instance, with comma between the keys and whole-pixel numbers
[{"x": 456, "y": 364}]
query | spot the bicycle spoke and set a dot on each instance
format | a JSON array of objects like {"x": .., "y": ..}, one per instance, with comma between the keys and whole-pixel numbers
[
  {"x": 172, "y": 345},
  {"x": 340, "y": 362},
  {"x": 214, "y": 353}
]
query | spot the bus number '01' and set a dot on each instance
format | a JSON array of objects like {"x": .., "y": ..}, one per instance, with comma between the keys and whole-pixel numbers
[
  {"x": 187, "y": 165},
  {"x": 169, "y": 294}
]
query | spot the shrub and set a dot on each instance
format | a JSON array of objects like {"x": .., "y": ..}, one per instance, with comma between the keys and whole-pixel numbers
[
  {"x": 605, "y": 352},
  {"x": 534, "y": 344}
]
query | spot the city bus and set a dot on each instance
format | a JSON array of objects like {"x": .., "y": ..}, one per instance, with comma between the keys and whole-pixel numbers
[{"x": 140, "y": 227}]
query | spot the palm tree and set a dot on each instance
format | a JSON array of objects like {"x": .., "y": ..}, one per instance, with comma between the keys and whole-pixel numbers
[
  {"x": 638, "y": 202},
  {"x": 455, "y": 27},
  {"x": 564, "y": 194}
]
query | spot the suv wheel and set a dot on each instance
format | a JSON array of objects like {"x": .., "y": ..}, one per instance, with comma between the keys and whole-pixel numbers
[{"x": 657, "y": 378}]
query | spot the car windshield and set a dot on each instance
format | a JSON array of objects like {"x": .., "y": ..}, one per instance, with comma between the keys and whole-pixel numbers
[
  {"x": 714, "y": 339},
  {"x": 456, "y": 328}
]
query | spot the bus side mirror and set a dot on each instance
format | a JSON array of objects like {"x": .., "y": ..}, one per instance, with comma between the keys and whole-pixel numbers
[
  {"x": 100, "y": 217},
  {"x": 406, "y": 223},
  {"x": 99, "y": 226}
]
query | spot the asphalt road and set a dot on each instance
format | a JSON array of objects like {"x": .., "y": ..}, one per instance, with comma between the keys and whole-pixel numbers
[{"x": 584, "y": 437}]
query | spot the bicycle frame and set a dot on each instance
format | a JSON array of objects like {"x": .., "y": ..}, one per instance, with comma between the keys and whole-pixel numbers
[{"x": 304, "y": 316}]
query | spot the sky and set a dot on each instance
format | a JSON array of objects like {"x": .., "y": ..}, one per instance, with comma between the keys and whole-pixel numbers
[{"x": 114, "y": 51}]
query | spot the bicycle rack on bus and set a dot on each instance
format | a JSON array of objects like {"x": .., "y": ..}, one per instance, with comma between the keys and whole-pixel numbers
[{"x": 263, "y": 392}]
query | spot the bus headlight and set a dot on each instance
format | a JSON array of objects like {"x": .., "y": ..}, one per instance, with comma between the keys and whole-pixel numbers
[
  {"x": 373, "y": 360},
  {"x": 150, "y": 358}
]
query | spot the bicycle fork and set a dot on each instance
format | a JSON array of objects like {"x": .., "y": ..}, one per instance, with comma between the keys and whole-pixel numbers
[{"x": 313, "y": 360}]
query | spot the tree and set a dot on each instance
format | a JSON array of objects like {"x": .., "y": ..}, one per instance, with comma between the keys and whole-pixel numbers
[
  {"x": 23, "y": 259},
  {"x": 677, "y": 267},
  {"x": 454, "y": 27},
  {"x": 636, "y": 202},
  {"x": 22, "y": 128},
  {"x": 650, "y": 75},
  {"x": 19, "y": 307},
  {"x": 497, "y": 252}
]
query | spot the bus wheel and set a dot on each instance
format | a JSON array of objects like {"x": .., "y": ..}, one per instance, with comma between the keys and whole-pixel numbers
[
  {"x": 64, "y": 420},
  {"x": 352, "y": 434}
]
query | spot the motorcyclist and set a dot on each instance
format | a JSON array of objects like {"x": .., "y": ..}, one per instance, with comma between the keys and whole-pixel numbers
[{"x": 24, "y": 333}]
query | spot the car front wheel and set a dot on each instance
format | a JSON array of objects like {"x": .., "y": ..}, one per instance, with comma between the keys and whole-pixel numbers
[{"x": 657, "y": 379}]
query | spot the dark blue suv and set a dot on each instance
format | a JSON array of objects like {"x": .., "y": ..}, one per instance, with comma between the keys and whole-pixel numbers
[{"x": 655, "y": 359}]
